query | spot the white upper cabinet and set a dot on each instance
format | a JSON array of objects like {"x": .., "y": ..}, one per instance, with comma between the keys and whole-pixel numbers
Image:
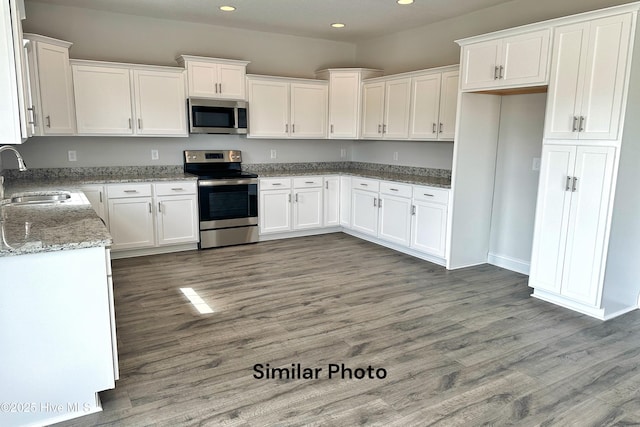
[
  {"x": 120, "y": 99},
  {"x": 52, "y": 107},
  {"x": 160, "y": 102},
  {"x": 434, "y": 100},
  {"x": 587, "y": 79},
  {"x": 214, "y": 77},
  {"x": 287, "y": 108},
  {"x": 344, "y": 100},
  {"x": 515, "y": 61},
  {"x": 385, "y": 109},
  {"x": 13, "y": 120}
]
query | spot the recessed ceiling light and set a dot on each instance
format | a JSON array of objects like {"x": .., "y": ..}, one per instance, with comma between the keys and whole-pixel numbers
[
  {"x": 337, "y": 25},
  {"x": 227, "y": 8},
  {"x": 404, "y": 1}
]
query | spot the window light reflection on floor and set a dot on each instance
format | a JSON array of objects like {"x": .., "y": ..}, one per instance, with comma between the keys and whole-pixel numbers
[{"x": 196, "y": 301}]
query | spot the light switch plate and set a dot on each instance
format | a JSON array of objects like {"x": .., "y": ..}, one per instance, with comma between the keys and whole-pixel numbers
[
  {"x": 274, "y": 154},
  {"x": 154, "y": 155},
  {"x": 395, "y": 156},
  {"x": 72, "y": 155},
  {"x": 535, "y": 165},
  {"x": 343, "y": 153}
]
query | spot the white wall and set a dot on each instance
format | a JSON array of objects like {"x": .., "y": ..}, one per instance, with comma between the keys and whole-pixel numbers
[
  {"x": 116, "y": 37},
  {"x": 51, "y": 152},
  {"x": 435, "y": 155},
  {"x": 433, "y": 45},
  {"x": 516, "y": 184}
]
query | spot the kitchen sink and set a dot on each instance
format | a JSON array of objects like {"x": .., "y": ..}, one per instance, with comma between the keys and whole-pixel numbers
[{"x": 31, "y": 198}]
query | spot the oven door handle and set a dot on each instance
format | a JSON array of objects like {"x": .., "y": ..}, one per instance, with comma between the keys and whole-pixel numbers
[{"x": 219, "y": 182}]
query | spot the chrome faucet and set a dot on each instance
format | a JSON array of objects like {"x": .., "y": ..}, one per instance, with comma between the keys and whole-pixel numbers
[{"x": 21, "y": 166}]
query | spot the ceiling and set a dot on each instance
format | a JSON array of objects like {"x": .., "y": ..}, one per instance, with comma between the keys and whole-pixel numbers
[{"x": 364, "y": 19}]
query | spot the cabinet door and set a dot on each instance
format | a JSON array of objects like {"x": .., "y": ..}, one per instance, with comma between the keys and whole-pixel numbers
[
  {"x": 372, "y": 110},
  {"x": 331, "y": 198},
  {"x": 429, "y": 228},
  {"x": 524, "y": 59},
  {"x": 131, "y": 223},
  {"x": 396, "y": 109},
  {"x": 103, "y": 100},
  {"x": 552, "y": 217},
  {"x": 344, "y": 90},
  {"x": 345, "y": 201},
  {"x": 479, "y": 65},
  {"x": 589, "y": 210},
  {"x": 448, "y": 105},
  {"x": 395, "y": 220},
  {"x": 160, "y": 103},
  {"x": 13, "y": 118},
  {"x": 565, "y": 85},
  {"x": 56, "y": 90},
  {"x": 275, "y": 211},
  {"x": 177, "y": 219},
  {"x": 308, "y": 110},
  {"x": 231, "y": 79},
  {"x": 425, "y": 106},
  {"x": 96, "y": 196},
  {"x": 604, "y": 76},
  {"x": 269, "y": 108},
  {"x": 203, "y": 79},
  {"x": 307, "y": 208},
  {"x": 364, "y": 211}
]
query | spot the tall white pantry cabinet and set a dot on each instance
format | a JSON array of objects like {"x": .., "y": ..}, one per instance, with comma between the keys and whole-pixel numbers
[{"x": 586, "y": 238}]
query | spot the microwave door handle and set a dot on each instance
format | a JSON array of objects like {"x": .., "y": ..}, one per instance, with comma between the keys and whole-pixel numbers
[{"x": 235, "y": 118}]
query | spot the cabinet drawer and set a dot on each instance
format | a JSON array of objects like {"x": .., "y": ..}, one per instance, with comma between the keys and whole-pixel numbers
[
  {"x": 275, "y": 183},
  {"x": 175, "y": 188},
  {"x": 365, "y": 184},
  {"x": 128, "y": 190},
  {"x": 307, "y": 182},
  {"x": 395, "y": 189},
  {"x": 431, "y": 194}
]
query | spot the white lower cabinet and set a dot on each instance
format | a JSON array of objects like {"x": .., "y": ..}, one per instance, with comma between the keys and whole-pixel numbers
[
  {"x": 571, "y": 222},
  {"x": 98, "y": 199},
  {"x": 291, "y": 204},
  {"x": 307, "y": 208},
  {"x": 345, "y": 201},
  {"x": 152, "y": 215},
  {"x": 331, "y": 198},
  {"x": 395, "y": 213},
  {"x": 364, "y": 205},
  {"x": 429, "y": 220}
]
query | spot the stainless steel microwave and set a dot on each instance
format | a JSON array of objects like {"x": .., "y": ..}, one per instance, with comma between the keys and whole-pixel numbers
[{"x": 217, "y": 116}]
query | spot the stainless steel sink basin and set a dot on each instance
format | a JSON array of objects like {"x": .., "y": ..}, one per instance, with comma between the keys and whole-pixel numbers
[{"x": 31, "y": 199}]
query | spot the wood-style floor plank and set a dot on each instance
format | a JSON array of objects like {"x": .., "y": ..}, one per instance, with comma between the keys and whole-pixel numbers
[{"x": 466, "y": 347}]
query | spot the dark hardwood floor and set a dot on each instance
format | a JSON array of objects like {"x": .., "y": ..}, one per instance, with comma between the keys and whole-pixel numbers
[{"x": 467, "y": 347}]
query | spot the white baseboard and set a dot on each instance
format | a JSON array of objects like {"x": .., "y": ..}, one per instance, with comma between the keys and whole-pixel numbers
[{"x": 513, "y": 264}]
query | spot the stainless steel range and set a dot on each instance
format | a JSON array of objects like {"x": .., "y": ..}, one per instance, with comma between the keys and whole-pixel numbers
[{"x": 227, "y": 196}]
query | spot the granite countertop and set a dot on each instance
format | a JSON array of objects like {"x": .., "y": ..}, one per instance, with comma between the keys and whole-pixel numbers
[
  {"x": 432, "y": 181},
  {"x": 72, "y": 224}
]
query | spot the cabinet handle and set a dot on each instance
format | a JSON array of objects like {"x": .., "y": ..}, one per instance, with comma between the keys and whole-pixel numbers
[
  {"x": 413, "y": 209},
  {"x": 379, "y": 203},
  {"x": 159, "y": 206},
  {"x": 583, "y": 120},
  {"x": 177, "y": 189},
  {"x": 100, "y": 196},
  {"x": 286, "y": 128},
  {"x": 139, "y": 123},
  {"x": 496, "y": 76},
  {"x": 375, "y": 202},
  {"x": 434, "y": 128},
  {"x": 48, "y": 121},
  {"x": 130, "y": 191},
  {"x": 331, "y": 128},
  {"x": 364, "y": 185},
  {"x": 501, "y": 72},
  {"x": 574, "y": 127},
  {"x": 276, "y": 183},
  {"x": 379, "y": 128},
  {"x": 215, "y": 85},
  {"x": 33, "y": 114},
  {"x": 428, "y": 195},
  {"x": 568, "y": 187},
  {"x": 220, "y": 86},
  {"x": 393, "y": 189},
  {"x": 150, "y": 207},
  {"x": 309, "y": 182},
  {"x": 384, "y": 128},
  {"x": 293, "y": 128},
  {"x": 289, "y": 197},
  {"x": 326, "y": 185},
  {"x": 296, "y": 197},
  {"x": 129, "y": 122},
  {"x": 441, "y": 126},
  {"x": 574, "y": 187}
]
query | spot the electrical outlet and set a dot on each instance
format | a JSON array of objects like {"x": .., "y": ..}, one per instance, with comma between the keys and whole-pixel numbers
[
  {"x": 535, "y": 165},
  {"x": 395, "y": 156},
  {"x": 154, "y": 155},
  {"x": 72, "y": 155},
  {"x": 274, "y": 154},
  {"x": 343, "y": 153}
]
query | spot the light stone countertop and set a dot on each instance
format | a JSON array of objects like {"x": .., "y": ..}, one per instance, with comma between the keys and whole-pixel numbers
[
  {"x": 431, "y": 181},
  {"x": 73, "y": 224}
]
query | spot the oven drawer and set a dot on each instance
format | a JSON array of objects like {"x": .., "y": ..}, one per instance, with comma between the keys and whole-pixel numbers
[
  {"x": 128, "y": 190},
  {"x": 175, "y": 188},
  {"x": 430, "y": 194},
  {"x": 307, "y": 182},
  {"x": 275, "y": 183}
]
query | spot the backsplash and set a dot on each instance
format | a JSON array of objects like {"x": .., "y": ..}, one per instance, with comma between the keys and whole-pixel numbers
[
  {"x": 328, "y": 166},
  {"x": 56, "y": 173}
]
